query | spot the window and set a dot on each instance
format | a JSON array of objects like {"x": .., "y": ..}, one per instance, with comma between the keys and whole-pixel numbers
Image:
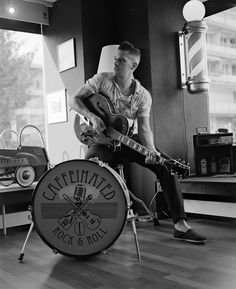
[
  {"x": 213, "y": 67},
  {"x": 225, "y": 68},
  {"x": 223, "y": 41},
  {"x": 38, "y": 84},
  {"x": 233, "y": 69},
  {"x": 222, "y": 93},
  {"x": 234, "y": 96},
  {"x": 233, "y": 42},
  {"x": 21, "y": 87}
]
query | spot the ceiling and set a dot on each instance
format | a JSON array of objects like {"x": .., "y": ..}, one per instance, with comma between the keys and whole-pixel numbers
[
  {"x": 48, "y": 3},
  {"x": 212, "y": 6},
  {"x": 216, "y": 6}
]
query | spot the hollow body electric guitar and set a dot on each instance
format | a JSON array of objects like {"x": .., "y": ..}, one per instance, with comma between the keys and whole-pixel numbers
[{"x": 117, "y": 132}]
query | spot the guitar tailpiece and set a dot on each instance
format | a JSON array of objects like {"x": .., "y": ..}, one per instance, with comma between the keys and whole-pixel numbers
[
  {"x": 161, "y": 161},
  {"x": 101, "y": 164}
]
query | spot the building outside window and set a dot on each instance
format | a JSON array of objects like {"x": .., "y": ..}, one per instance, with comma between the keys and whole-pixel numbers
[
  {"x": 21, "y": 88},
  {"x": 221, "y": 52}
]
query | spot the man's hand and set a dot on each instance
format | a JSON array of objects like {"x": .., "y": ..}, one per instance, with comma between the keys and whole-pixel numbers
[
  {"x": 152, "y": 158},
  {"x": 97, "y": 123}
]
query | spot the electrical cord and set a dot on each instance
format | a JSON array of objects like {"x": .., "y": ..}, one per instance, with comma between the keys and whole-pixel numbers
[{"x": 151, "y": 216}]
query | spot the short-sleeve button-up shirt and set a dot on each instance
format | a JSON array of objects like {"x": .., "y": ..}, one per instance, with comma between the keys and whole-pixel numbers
[{"x": 138, "y": 104}]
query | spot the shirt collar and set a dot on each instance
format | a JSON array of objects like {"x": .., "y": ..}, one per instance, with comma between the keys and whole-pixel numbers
[{"x": 136, "y": 88}]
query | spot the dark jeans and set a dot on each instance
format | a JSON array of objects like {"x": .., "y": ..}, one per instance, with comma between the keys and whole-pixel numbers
[{"x": 169, "y": 182}]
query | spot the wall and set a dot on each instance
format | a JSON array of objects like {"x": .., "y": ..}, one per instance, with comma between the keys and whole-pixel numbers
[
  {"x": 25, "y": 11},
  {"x": 124, "y": 20},
  {"x": 65, "y": 23},
  {"x": 116, "y": 22},
  {"x": 79, "y": 20},
  {"x": 135, "y": 29},
  {"x": 152, "y": 26},
  {"x": 178, "y": 112},
  {"x": 99, "y": 29}
]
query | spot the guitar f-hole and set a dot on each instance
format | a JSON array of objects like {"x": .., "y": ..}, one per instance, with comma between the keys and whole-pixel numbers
[{"x": 101, "y": 108}]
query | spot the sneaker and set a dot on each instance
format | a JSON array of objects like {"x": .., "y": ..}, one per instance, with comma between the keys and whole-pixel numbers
[{"x": 189, "y": 236}]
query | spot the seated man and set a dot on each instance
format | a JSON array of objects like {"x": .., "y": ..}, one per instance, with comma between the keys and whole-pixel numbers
[{"x": 131, "y": 99}]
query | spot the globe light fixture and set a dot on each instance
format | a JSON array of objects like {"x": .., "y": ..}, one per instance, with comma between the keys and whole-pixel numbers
[{"x": 194, "y": 10}]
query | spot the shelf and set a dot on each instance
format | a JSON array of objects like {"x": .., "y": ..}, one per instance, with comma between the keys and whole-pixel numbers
[
  {"x": 12, "y": 199},
  {"x": 213, "y": 145},
  {"x": 210, "y": 179}
]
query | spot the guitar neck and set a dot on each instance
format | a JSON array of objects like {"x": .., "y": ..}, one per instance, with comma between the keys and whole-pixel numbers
[{"x": 131, "y": 143}]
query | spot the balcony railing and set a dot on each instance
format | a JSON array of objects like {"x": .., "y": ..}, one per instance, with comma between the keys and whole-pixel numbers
[
  {"x": 222, "y": 78},
  {"x": 223, "y": 108},
  {"x": 221, "y": 50}
]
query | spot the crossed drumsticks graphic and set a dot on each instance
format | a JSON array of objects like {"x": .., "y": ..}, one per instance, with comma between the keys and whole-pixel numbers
[{"x": 92, "y": 221}]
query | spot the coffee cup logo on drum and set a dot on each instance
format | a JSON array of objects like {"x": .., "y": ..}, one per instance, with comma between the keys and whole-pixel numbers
[{"x": 79, "y": 208}]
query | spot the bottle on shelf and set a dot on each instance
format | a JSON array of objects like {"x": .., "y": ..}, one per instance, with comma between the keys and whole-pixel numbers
[
  {"x": 203, "y": 166},
  {"x": 224, "y": 165}
]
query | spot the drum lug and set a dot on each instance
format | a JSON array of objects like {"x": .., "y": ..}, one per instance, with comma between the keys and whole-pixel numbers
[
  {"x": 51, "y": 166},
  {"x": 55, "y": 251},
  {"x": 30, "y": 209},
  {"x": 105, "y": 251},
  {"x": 96, "y": 160},
  {"x": 130, "y": 214},
  {"x": 102, "y": 164}
]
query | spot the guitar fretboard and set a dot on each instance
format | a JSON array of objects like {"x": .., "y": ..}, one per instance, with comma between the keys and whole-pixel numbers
[{"x": 131, "y": 143}]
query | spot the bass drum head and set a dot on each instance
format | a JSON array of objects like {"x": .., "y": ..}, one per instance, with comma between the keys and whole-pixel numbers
[{"x": 80, "y": 207}]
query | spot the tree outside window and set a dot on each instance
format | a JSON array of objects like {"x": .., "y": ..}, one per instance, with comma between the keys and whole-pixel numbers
[{"x": 21, "y": 89}]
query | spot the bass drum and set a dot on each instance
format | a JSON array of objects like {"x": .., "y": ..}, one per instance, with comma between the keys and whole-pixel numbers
[{"x": 80, "y": 207}]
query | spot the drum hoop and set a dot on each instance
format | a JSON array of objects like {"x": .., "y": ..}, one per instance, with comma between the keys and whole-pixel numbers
[
  {"x": 44, "y": 238},
  {"x": 119, "y": 180}
]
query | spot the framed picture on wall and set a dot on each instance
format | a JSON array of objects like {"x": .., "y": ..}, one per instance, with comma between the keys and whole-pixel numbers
[
  {"x": 57, "y": 107},
  {"x": 66, "y": 55}
]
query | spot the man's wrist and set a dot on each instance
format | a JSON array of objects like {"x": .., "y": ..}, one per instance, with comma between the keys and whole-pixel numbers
[{"x": 152, "y": 149}]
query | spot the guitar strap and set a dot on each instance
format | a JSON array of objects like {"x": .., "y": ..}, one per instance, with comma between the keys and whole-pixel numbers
[{"x": 131, "y": 130}]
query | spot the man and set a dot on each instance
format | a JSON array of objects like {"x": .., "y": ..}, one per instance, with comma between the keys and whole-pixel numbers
[{"x": 131, "y": 99}]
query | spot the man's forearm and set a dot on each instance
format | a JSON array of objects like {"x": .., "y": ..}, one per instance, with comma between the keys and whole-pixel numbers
[
  {"x": 77, "y": 104},
  {"x": 148, "y": 142},
  {"x": 146, "y": 139}
]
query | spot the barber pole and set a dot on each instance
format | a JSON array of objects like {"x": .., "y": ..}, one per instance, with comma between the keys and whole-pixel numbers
[{"x": 195, "y": 44}]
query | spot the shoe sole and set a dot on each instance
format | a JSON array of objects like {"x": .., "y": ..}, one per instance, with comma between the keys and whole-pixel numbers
[{"x": 190, "y": 241}]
